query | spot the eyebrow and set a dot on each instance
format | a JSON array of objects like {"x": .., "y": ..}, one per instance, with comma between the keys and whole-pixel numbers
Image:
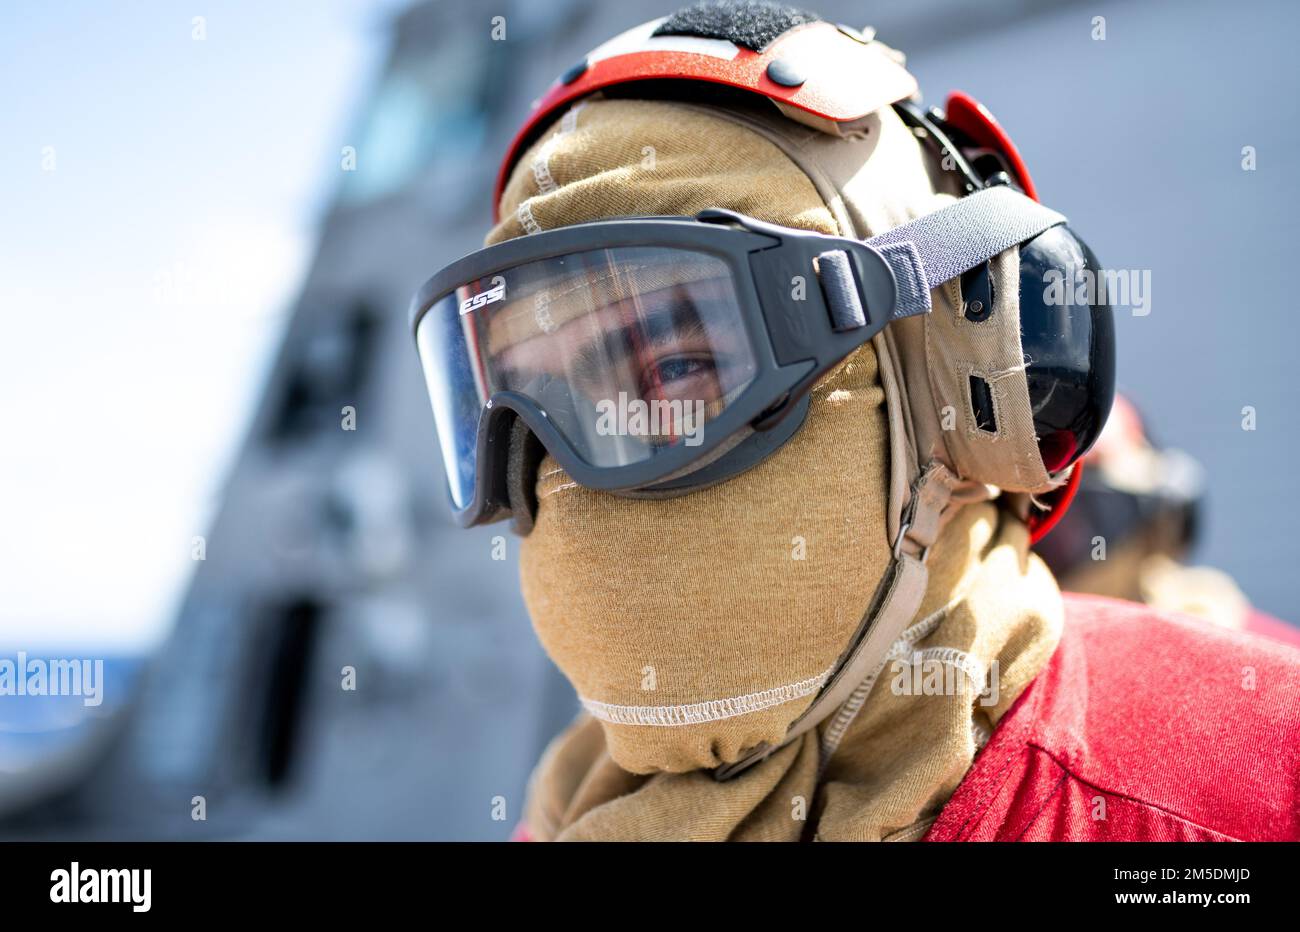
[{"x": 681, "y": 314}]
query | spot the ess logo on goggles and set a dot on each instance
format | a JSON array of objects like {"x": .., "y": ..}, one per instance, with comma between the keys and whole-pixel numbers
[
  {"x": 696, "y": 313},
  {"x": 495, "y": 293}
]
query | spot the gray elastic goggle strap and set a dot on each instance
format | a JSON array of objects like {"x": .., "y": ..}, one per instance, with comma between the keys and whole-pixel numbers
[{"x": 940, "y": 246}]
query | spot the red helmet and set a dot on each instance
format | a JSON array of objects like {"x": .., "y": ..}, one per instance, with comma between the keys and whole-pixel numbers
[{"x": 668, "y": 49}]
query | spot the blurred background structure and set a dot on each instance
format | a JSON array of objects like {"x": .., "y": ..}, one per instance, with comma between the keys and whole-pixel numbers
[{"x": 227, "y": 633}]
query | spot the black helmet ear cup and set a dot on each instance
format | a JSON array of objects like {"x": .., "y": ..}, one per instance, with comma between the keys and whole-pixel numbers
[
  {"x": 1067, "y": 330},
  {"x": 1067, "y": 334}
]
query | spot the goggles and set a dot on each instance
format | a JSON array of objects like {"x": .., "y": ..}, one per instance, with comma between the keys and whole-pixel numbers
[{"x": 651, "y": 356}]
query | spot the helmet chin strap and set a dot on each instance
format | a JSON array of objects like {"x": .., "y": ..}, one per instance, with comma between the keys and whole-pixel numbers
[
  {"x": 942, "y": 245},
  {"x": 897, "y": 601}
]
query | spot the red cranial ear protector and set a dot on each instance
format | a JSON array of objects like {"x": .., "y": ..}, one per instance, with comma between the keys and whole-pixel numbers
[
  {"x": 971, "y": 118},
  {"x": 1061, "y": 352},
  {"x": 1069, "y": 350}
]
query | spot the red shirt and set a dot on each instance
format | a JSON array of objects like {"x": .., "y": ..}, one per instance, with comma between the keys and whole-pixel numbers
[{"x": 1142, "y": 727}]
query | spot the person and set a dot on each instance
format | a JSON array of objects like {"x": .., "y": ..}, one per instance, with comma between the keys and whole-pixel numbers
[
  {"x": 1133, "y": 522},
  {"x": 778, "y": 375}
]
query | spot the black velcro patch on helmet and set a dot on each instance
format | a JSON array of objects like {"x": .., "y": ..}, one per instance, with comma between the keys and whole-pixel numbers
[{"x": 750, "y": 23}]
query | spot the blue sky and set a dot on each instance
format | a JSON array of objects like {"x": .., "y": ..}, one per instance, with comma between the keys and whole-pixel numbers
[{"x": 160, "y": 195}]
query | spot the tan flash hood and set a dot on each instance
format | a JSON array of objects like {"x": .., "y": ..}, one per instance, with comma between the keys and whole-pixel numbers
[{"x": 875, "y": 173}]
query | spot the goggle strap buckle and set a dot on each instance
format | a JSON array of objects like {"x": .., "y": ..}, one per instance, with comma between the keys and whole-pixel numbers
[
  {"x": 912, "y": 288},
  {"x": 840, "y": 286}
]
